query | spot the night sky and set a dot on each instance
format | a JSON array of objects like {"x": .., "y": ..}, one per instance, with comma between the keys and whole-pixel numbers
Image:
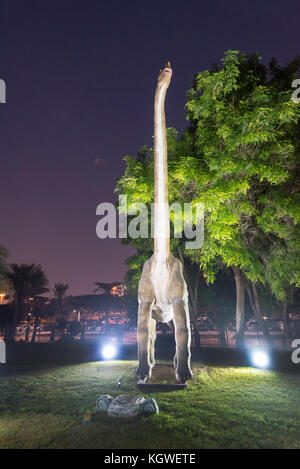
[{"x": 80, "y": 79}]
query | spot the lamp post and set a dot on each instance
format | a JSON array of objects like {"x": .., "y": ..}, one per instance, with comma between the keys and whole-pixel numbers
[{"x": 2, "y": 296}]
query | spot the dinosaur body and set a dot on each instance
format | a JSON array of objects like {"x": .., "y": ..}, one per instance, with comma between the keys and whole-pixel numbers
[{"x": 162, "y": 293}]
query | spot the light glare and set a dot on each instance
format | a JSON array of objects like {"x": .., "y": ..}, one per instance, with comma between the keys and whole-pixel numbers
[
  {"x": 260, "y": 359},
  {"x": 108, "y": 351}
]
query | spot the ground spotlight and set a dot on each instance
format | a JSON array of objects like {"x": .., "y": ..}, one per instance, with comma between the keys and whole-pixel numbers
[
  {"x": 108, "y": 351},
  {"x": 260, "y": 359}
]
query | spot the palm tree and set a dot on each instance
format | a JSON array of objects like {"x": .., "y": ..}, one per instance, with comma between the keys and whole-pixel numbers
[
  {"x": 39, "y": 310},
  {"x": 60, "y": 306},
  {"x": 28, "y": 281},
  {"x": 60, "y": 296}
]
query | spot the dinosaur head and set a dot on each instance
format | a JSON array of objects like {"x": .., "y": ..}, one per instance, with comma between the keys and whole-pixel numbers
[{"x": 164, "y": 76}]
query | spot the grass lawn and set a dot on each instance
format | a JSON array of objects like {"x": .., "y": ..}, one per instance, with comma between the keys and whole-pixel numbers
[{"x": 221, "y": 408}]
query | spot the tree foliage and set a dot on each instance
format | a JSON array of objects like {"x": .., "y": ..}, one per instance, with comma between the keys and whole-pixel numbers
[{"x": 245, "y": 130}]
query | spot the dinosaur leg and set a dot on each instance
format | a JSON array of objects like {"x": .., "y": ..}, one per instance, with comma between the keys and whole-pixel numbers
[
  {"x": 146, "y": 298},
  {"x": 144, "y": 344},
  {"x": 152, "y": 341},
  {"x": 183, "y": 340},
  {"x": 171, "y": 326}
]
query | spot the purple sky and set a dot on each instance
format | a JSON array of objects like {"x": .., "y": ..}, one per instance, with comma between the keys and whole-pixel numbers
[{"x": 80, "y": 81}]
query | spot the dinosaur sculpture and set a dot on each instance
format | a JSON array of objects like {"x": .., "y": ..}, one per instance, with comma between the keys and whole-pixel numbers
[{"x": 162, "y": 292}]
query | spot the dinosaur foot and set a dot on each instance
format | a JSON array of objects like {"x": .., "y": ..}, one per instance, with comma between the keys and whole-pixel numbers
[
  {"x": 143, "y": 375},
  {"x": 142, "y": 381},
  {"x": 183, "y": 374}
]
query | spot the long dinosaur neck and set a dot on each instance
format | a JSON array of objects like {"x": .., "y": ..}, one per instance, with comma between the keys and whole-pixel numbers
[{"x": 161, "y": 206}]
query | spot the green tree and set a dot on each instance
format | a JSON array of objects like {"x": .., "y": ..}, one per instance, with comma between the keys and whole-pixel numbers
[{"x": 245, "y": 135}]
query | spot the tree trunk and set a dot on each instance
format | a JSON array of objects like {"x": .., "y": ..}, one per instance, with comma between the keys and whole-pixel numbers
[
  {"x": 35, "y": 325},
  {"x": 240, "y": 306},
  {"x": 195, "y": 311},
  {"x": 18, "y": 310},
  {"x": 52, "y": 334},
  {"x": 286, "y": 323},
  {"x": 27, "y": 333},
  {"x": 12, "y": 331},
  {"x": 254, "y": 302},
  {"x": 193, "y": 314},
  {"x": 193, "y": 302},
  {"x": 222, "y": 335}
]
